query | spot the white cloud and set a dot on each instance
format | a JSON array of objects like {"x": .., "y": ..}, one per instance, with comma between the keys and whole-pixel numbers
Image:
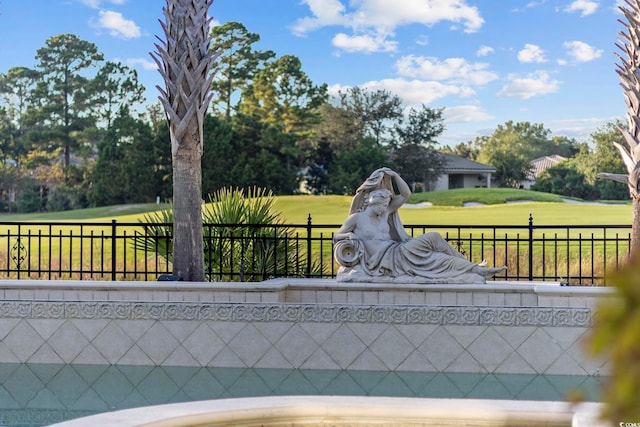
[
  {"x": 538, "y": 83},
  {"x": 364, "y": 43},
  {"x": 146, "y": 64},
  {"x": 334, "y": 90},
  {"x": 578, "y": 128},
  {"x": 417, "y": 92},
  {"x": 388, "y": 15},
  {"x": 581, "y": 51},
  {"x": 382, "y": 17},
  {"x": 585, "y": 7},
  {"x": 531, "y": 53},
  {"x": 484, "y": 50},
  {"x": 413, "y": 92},
  {"x": 427, "y": 12},
  {"x": 466, "y": 114},
  {"x": 325, "y": 13},
  {"x": 450, "y": 69},
  {"x": 422, "y": 41},
  {"x": 95, "y": 4},
  {"x": 533, "y": 4},
  {"x": 117, "y": 25}
]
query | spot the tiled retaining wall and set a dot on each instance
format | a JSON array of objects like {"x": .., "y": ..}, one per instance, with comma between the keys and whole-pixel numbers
[{"x": 498, "y": 327}]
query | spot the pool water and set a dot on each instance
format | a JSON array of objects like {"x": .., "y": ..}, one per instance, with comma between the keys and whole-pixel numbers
[{"x": 42, "y": 394}]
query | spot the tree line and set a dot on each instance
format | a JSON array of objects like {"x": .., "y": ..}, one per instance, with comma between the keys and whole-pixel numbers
[
  {"x": 512, "y": 147},
  {"x": 74, "y": 133}
]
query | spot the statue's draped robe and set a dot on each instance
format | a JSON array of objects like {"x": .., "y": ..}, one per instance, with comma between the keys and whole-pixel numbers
[{"x": 428, "y": 256}]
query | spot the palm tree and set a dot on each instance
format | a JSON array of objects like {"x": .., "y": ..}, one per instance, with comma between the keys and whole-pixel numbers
[
  {"x": 185, "y": 61},
  {"x": 627, "y": 69},
  {"x": 245, "y": 238}
]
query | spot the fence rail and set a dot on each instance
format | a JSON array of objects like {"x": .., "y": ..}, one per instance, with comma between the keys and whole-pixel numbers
[{"x": 239, "y": 252}]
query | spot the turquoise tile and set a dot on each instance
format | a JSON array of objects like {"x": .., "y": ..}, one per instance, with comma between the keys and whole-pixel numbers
[
  {"x": 320, "y": 378},
  {"x": 391, "y": 385},
  {"x": 296, "y": 384},
  {"x": 203, "y": 385},
  {"x": 72, "y": 391},
  {"x": 489, "y": 387},
  {"x": 344, "y": 384}
]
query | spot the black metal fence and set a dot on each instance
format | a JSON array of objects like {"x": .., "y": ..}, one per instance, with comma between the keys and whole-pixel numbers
[{"x": 238, "y": 252}]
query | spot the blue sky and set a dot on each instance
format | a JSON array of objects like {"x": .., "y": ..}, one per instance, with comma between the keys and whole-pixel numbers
[{"x": 484, "y": 61}]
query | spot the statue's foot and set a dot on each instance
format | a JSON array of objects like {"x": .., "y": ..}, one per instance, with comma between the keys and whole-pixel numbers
[{"x": 487, "y": 272}]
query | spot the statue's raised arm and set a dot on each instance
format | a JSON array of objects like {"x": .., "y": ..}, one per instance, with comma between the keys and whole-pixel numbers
[
  {"x": 372, "y": 245},
  {"x": 404, "y": 191}
]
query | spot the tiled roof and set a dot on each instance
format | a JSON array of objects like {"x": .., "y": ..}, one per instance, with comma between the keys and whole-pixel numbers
[
  {"x": 459, "y": 164},
  {"x": 542, "y": 163}
]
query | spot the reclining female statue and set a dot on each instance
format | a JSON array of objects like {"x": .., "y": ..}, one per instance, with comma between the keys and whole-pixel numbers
[{"x": 372, "y": 246}]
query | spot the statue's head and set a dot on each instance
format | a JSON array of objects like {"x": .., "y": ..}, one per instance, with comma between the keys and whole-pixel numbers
[{"x": 381, "y": 196}]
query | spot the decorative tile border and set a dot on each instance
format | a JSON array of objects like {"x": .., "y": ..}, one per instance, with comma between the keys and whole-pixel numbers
[{"x": 322, "y": 313}]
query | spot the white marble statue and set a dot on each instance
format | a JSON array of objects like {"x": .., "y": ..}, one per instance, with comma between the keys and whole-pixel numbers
[{"x": 372, "y": 246}]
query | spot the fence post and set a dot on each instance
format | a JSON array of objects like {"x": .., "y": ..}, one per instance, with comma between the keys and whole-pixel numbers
[
  {"x": 113, "y": 249},
  {"x": 309, "y": 246},
  {"x": 19, "y": 247},
  {"x": 530, "y": 247}
]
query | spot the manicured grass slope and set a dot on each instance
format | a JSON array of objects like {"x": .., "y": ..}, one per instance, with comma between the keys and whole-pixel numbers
[
  {"x": 123, "y": 213},
  {"x": 447, "y": 209},
  {"x": 488, "y": 196},
  {"x": 518, "y": 214}
]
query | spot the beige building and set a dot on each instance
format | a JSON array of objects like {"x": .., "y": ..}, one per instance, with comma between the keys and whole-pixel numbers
[{"x": 460, "y": 172}]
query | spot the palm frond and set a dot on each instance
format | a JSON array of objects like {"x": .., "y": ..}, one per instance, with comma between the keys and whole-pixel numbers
[{"x": 157, "y": 237}]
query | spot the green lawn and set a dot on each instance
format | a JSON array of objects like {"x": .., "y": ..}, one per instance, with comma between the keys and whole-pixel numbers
[
  {"x": 334, "y": 210},
  {"x": 491, "y": 208},
  {"x": 500, "y": 207},
  {"x": 123, "y": 213},
  {"x": 488, "y": 196}
]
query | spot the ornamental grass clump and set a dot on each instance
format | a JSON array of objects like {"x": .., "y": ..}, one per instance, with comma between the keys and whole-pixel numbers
[{"x": 244, "y": 238}]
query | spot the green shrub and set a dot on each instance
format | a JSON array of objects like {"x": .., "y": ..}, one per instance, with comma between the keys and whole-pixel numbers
[
  {"x": 244, "y": 238},
  {"x": 31, "y": 197}
]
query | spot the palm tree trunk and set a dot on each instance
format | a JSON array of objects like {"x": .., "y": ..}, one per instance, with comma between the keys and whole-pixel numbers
[
  {"x": 184, "y": 61},
  {"x": 188, "y": 255},
  {"x": 635, "y": 228}
]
